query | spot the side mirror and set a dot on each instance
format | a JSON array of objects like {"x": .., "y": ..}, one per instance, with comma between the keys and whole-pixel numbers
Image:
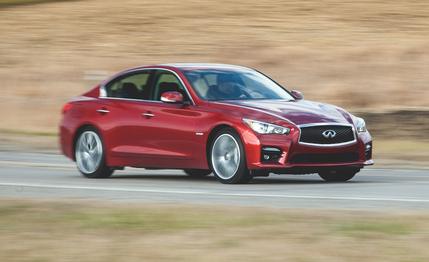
[
  {"x": 172, "y": 97},
  {"x": 297, "y": 95}
]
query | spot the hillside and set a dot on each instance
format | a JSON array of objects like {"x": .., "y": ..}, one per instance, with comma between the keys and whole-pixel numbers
[{"x": 361, "y": 55}]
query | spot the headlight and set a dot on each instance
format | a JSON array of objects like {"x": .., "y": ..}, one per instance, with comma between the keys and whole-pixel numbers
[
  {"x": 360, "y": 125},
  {"x": 266, "y": 128}
]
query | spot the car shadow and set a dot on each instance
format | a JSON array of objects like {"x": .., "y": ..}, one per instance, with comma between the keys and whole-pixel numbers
[
  {"x": 306, "y": 180},
  {"x": 272, "y": 179},
  {"x": 177, "y": 177}
]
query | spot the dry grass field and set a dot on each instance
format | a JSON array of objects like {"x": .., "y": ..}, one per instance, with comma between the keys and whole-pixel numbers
[
  {"x": 367, "y": 56},
  {"x": 362, "y": 55},
  {"x": 65, "y": 231}
]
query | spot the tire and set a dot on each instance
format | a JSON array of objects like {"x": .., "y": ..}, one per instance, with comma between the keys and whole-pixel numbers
[
  {"x": 197, "y": 172},
  {"x": 227, "y": 158},
  {"x": 90, "y": 155},
  {"x": 338, "y": 174}
]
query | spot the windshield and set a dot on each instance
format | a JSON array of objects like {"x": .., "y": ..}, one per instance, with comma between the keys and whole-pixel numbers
[{"x": 219, "y": 84}]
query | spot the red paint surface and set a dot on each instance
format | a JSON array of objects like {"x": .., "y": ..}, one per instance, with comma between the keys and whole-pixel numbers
[{"x": 169, "y": 139}]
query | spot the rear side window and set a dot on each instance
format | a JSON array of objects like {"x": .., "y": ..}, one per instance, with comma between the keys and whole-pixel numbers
[{"x": 132, "y": 86}]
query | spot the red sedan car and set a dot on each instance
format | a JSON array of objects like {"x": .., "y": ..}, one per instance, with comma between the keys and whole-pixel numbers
[{"x": 231, "y": 121}]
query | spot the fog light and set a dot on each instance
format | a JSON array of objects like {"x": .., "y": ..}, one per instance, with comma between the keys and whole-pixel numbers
[
  {"x": 270, "y": 154},
  {"x": 368, "y": 151}
]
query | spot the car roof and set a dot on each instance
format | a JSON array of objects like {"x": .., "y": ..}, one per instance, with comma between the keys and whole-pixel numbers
[
  {"x": 194, "y": 66},
  {"x": 205, "y": 65}
]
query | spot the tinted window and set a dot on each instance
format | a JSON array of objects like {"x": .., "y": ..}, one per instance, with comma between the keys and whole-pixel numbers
[
  {"x": 167, "y": 81},
  {"x": 217, "y": 84},
  {"x": 133, "y": 86}
]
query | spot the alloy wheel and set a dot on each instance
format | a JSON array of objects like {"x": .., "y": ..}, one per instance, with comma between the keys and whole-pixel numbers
[
  {"x": 225, "y": 156},
  {"x": 89, "y": 152}
]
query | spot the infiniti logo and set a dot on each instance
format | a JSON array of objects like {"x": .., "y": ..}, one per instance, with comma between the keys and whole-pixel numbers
[{"x": 329, "y": 133}]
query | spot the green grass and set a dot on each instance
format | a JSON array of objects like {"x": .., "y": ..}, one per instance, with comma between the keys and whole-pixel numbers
[
  {"x": 66, "y": 231},
  {"x": 372, "y": 229},
  {"x": 166, "y": 219},
  {"x": 142, "y": 220}
]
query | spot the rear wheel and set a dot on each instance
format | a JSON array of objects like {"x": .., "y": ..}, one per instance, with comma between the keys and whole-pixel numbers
[
  {"x": 197, "y": 172},
  {"x": 338, "y": 174},
  {"x": 90, "y": 156},
  {"x": 227, "y": 158}
]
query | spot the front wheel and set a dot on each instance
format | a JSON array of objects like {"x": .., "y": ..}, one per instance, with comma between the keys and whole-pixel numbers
[
  {"x": 90, "y": 156},
  {"x": 339, "y": 174},
  {"x": 228, "y": 159}
]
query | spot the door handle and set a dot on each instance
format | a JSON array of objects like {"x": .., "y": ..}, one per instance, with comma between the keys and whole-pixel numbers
[
  {"x": 148, "y": 114},
  {"x": 103, "y": 111}
]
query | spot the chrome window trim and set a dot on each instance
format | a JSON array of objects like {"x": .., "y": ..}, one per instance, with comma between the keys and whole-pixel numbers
[
  {"x": 103, "y": 93},
  {"x": 328, "y": 145}
]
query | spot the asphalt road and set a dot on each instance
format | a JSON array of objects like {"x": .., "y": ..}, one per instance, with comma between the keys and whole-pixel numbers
[{"x": 51, "y": 176}]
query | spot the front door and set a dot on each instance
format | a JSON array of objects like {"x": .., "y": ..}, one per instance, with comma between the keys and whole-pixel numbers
[{"x": 172, "y": 128}]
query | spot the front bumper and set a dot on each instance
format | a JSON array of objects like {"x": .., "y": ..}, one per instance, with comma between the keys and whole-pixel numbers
[{"x": 295, "y": 157}]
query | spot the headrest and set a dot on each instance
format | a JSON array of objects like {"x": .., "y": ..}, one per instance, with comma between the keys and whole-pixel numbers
[
  {"x": 130, "y": 90},
  {"x": 168, "y": 86},
  {"x": 128, "y": 86}
]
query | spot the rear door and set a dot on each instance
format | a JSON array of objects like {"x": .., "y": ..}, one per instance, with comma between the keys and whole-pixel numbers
[{"x": 120, "y": 115}]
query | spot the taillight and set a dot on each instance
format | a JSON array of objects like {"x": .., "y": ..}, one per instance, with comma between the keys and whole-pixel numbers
[{"x": 66, "y": 108}]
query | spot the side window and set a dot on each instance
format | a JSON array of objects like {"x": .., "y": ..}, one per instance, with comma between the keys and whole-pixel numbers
[
  {"x": 166, "y": 81},
  {"x": 202, "y": 83},
  {"x": 133, "y": 86},
  {"x": 211, "y": 79}
]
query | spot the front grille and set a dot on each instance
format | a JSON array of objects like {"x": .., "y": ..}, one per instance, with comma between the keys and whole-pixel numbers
[
  {"x": 314, "y": 134},
  {"x": 324, "y": 158}
]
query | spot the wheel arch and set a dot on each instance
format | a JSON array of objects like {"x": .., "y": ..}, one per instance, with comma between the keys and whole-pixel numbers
[
  {"x": 243, "y": 175},
  {"x": 211, "y": 137}
]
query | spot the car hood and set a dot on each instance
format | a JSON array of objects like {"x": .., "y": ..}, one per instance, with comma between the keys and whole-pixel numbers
[{"x": 298, "y": 112}]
